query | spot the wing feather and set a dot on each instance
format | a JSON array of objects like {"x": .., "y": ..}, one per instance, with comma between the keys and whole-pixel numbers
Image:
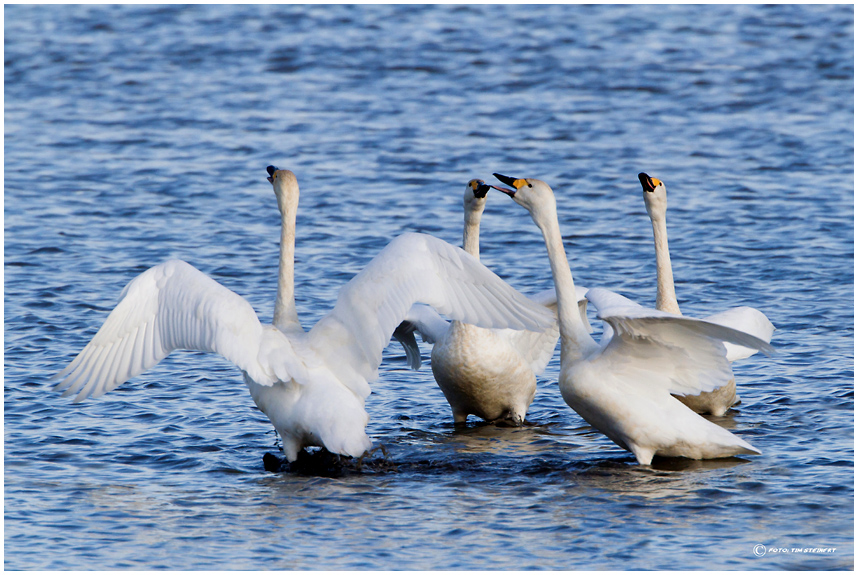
[
  {"x": 748, "y": 320},
  {"x": 414, "y": 268},
  {"x": 427, "y": 322},
  {"x": 683, "y": 355},
  {"x": 170, "y": 306}
]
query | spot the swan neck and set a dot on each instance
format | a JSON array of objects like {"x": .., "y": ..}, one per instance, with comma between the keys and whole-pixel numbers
[
  {"x": 285, "y": 312},
  {"x": 471, "y": 235},
  {"x": 575, "y": 342},
  {"x": 665, "y": 299}
]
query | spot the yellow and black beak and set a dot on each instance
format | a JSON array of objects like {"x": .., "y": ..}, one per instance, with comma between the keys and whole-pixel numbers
[
  {"x": 271, "y": 170},
  {"x": 514, "y": 182},
  {"x": 649, "y": 184},
  {"x": 479, "y": 187}
]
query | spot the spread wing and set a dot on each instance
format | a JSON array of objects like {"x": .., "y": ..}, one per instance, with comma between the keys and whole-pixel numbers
[
  {"x": 748, "y": 320},
  {"x": 683, "y": 355},
  {"x": 175, "y": 306},
  {"x": 414, "y": 268}
]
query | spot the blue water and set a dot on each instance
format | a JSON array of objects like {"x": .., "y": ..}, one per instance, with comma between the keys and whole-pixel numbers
[{"x": 134, "y": 134}]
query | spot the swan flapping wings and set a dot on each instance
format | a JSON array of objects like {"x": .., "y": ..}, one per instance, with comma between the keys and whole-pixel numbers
[{"x": 175, "y": 306}]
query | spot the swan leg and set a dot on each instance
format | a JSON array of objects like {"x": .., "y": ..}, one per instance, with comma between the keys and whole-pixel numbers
[
  {"x": 511, "y": 418},
  {"x": 291, "y": 447},
  {"x": 644, "y": 455},
  {"x": 460, "y": 417},
  {"x": 368, "y": 453}
]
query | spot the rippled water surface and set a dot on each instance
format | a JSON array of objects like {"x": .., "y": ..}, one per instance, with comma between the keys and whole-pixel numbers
[{"x": 137, "y": 134}]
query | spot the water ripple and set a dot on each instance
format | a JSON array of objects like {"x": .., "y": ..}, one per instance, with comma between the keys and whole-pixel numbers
[{"x": 135, "y": 134}]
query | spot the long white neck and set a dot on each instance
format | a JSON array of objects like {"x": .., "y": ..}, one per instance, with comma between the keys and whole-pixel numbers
[
  {"x": 665, "y": 299},
  {"x": 285, "y": 312},
  {"x": 575, "y": 342},
  {"x": 471, "y": 235}
]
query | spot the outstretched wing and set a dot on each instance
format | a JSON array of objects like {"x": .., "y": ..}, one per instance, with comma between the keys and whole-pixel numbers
[
  {"x": 686, "y": 356},
  {"x": 172, "y": 306},
  {"x": 414, "y": 268},
  {"x": 748, "y": 320}
]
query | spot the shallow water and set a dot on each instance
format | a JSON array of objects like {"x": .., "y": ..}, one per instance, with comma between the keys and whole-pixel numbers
[{"x": 137, "y": 134}]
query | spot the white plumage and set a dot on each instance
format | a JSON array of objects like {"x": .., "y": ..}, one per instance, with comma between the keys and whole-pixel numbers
[
  {"x": 490, "y": 373},
  {"x": 311, "y": 385},
  {"x": 746, "y": 319},
  {"x": 623, "y": 387}
]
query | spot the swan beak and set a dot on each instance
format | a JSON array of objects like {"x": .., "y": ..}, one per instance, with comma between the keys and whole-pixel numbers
[
  {"x": 507, "y": 191},
  {"x": 271, "y": 170},
  {"x": 649, "y": 184},
  {"x": 516, "y": 183},
  {"x": 480, "y": 188}
]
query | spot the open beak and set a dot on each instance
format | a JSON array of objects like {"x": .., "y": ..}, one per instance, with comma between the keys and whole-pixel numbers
[
  {"x": 509, "y": 181},
  {"x": 271, "y": 170},
  {"x": 646, "y": 182}
]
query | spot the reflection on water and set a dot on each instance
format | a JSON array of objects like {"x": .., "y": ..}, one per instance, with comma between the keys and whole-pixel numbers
[{"x": 135, "y": 134}]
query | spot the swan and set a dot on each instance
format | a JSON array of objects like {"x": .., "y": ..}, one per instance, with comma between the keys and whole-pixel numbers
[
  {"x": 490, "y": 373},
  {"x": 623, "y": 387},
  {"x": 746, "y": 319},
  {"x": 311, "y": 385}
]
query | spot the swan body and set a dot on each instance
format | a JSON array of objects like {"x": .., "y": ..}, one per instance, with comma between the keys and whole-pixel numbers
[
  {"x": 490, "y": 373},
  {"x": 311, "y": 385},
  {"x": 624, "y": 386},
  {"x": 746, "y": 319}
]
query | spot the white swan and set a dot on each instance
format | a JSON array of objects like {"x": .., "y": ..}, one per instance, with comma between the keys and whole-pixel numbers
[
  {"x": 746, "y": 319},
  {"x": 490, "y": 373},
  {"x": 623, "y": 387},
  {"x": 312, "y": 386}
]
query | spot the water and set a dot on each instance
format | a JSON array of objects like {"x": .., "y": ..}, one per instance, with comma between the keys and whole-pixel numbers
[{"x": 134, "y": 134}]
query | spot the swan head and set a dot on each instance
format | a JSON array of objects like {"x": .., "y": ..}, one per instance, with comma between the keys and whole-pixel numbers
[
  {"x": 534, "y": 195},
  {"x": 475, "y": 195},
  {"x": 655, "y": 196},
  {"x": 285, "y": 187}
]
